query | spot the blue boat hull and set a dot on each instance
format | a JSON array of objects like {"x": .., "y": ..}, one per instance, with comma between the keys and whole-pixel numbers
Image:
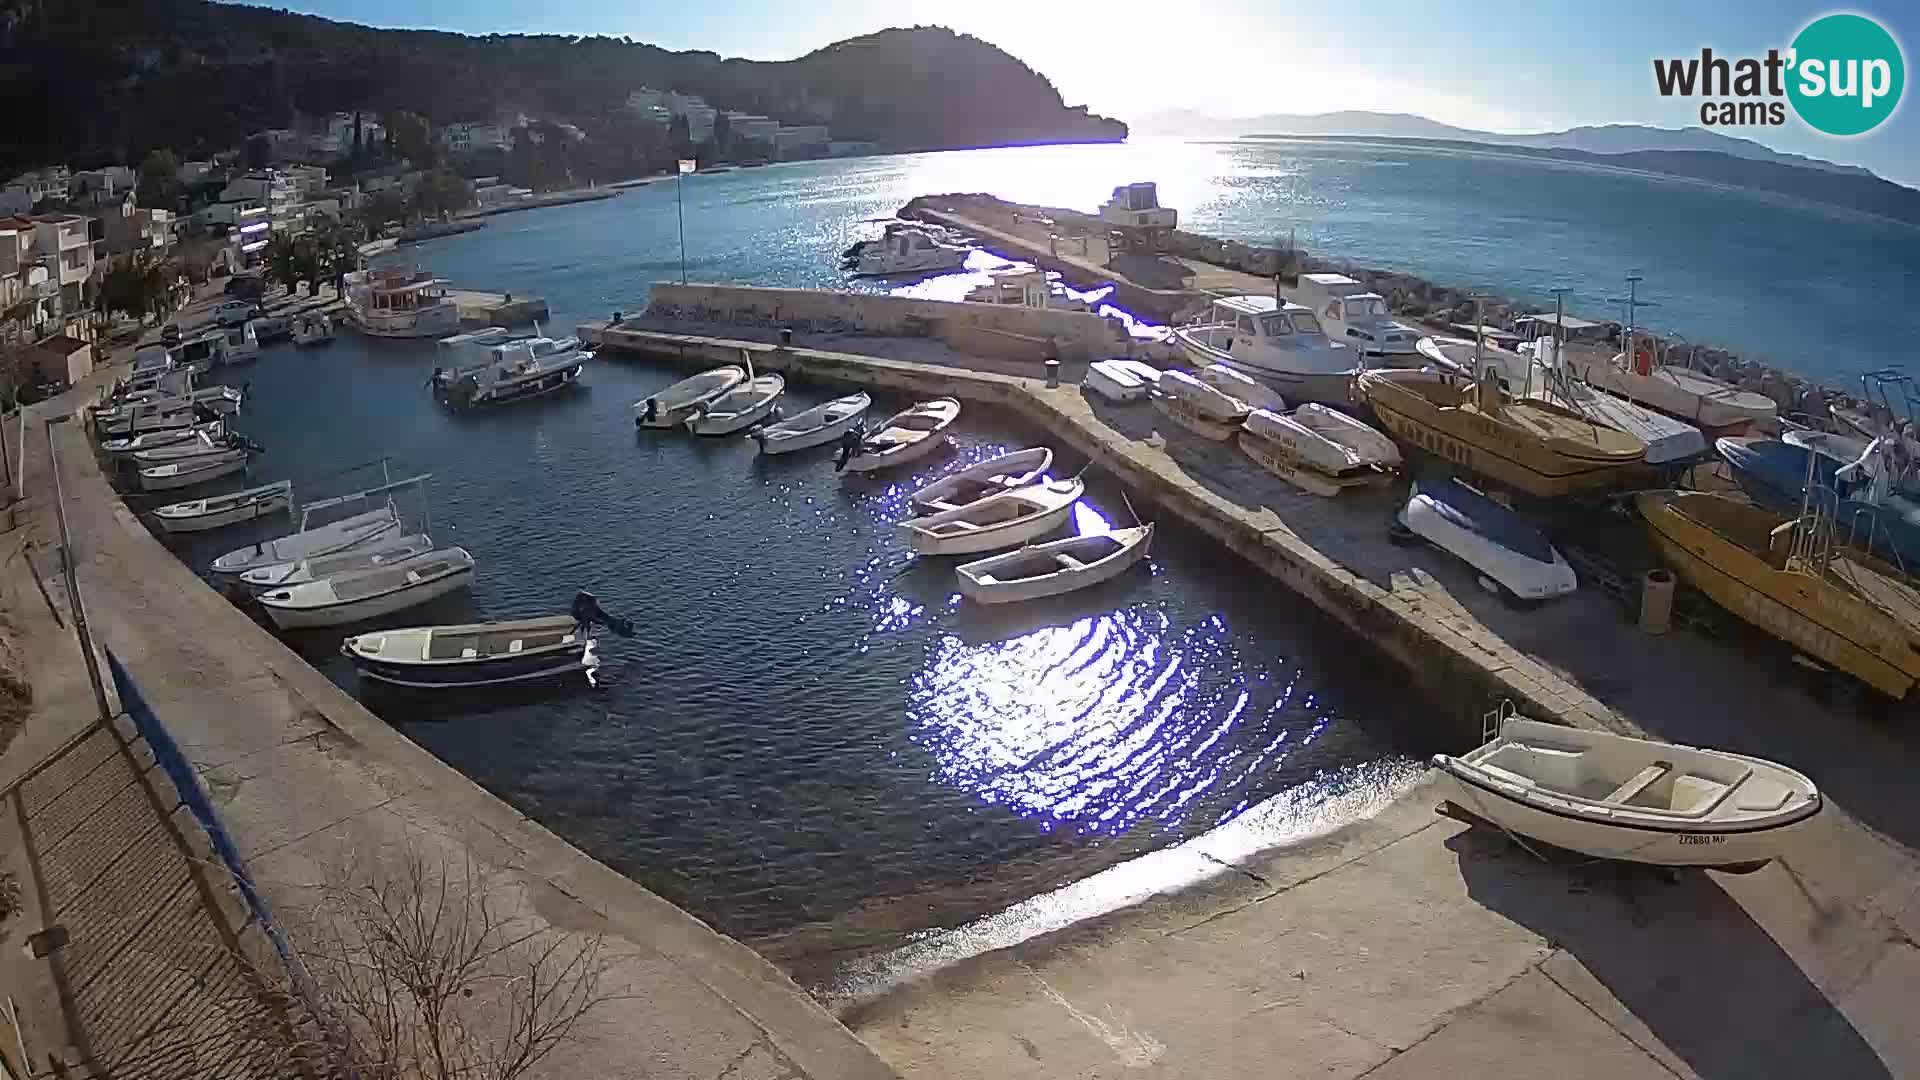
[{"x": 1774, "y": 475}]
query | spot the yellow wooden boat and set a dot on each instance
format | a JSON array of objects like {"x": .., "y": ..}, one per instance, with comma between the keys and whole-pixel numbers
[
  {"x": 1533, "y": 446},
  {"x": 1785, "y": 577}
]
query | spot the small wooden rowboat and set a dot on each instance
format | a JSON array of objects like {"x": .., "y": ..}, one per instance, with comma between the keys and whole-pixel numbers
[
  {"x": 362, "y": 528},
  {"x": 1205, "y": 400},
  {"x": 200, "y": 515},
  {"x": 153, "y": 440},
  {"x": 739, "y": 408},
  {"x": 1327, "y": 439},
  {"x": 817, "y": 426},
  {"x": 1053, "y": 568},
  {"x": 383, "y": 552},
  {"x": 672, "y": 406},
  {"x": 906, "y": 436},
  {"x": 989, "y": 477},
  {"x": 998, "y": 521},
  {"x": 369, "y": 594},
  {"x": 472, "y": 654},
  {"x": 1242, "y": 387},
  {"x": 1615, "y": 797},
  {"x": 187, "y": 472}
]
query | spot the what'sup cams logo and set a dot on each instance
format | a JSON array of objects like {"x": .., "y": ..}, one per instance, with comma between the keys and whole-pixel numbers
[{"x": 1842, "y": 75}]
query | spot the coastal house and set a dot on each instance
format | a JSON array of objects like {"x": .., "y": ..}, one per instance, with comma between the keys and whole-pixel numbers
[
  {"x": 803, "y": 141},
  {"x": 57, "y": 361},
  {"x": 130, "y": 228},
  {"x": 270, "y": 188},
  {"x": 64, "y": 245},
  {"x": 102, "y": 187},
  {"x": 308, "y": 181},
  {"x": 752, "y": 127},
  {"x": 465, "y": 138},
  {"x": 192, "y": 172},
  {"x": 40, "y": 185},
  {"x": 28, "y": 292},
  {"x": 646, "y": 99}
]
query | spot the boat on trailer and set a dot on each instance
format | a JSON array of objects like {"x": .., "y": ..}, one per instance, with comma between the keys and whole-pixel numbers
[
  {"x": 999, "y": 521},
  {"x": 818, "y": 426},
  {"x": 1635, "y": 800},
  {"x": 989, "y": 477},
  {"x": 199, "y": 515},
  {"x": 359, "y": 595},
  {"x": 1059, "y": 566},
  {"x": 908, "y": 435},
  {"x": 672, "y": 406},
  {"x": 469, "y": 655}
]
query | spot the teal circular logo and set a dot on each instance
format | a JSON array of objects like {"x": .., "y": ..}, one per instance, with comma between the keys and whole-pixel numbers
[{"x": 1847, "y": 74}]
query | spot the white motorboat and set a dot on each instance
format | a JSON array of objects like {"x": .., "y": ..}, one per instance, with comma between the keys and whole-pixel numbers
[
  {"x": 905, "y": 249},
  {"x": 1492, "y": 539},
  {"x": 381, "y": 519},
  {"x": 194, "y": 470},
  {"x": 1676, "y": 391},
  {"x": 1242, "y": 387},
  {"x": 400, "y": 302},
  {"x": 1205, "y": 399},
  {"x": 484, "y": 654},
  {"x": 313, "y": 328},
  {"x": 511, "y": 371},
  {"x": 153, "y": 440},
  {"x": 384, "y": 551},
  {"x": 165, "y": 414},
  {"x": 359, "y": 595},
  {"x": 1326, "y": 439},
  {"x": 231, "y": 509},
  {"x": 1356, "y": 317},
  {"x": 671, "y": 407},
  {"x": 1025, "y": 288},
  {"x": 239, "y": 344},
  {"x": 1121, "y": 380},
  {"x": 998, "y": 521},
  {"x": 197, "y": 355},
  {"x": 1616, "y": 797},
  {"x": 818, "y": 426},
  {"x": 976, "y": 482},
  {"x": 200, "y": 446},
  {"x": 908, "y": 435},
  {"x": 1283, "y": 345},
  {"x": 1050, "y": 569},
  {"x": 739, "y": 408}
]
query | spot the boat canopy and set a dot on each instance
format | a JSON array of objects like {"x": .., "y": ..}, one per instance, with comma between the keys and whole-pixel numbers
[
  {"x": 1474, "y": 512},
  {"x": 1229, "y": 306}
]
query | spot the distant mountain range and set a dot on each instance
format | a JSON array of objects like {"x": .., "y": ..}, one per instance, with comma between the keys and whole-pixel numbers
[{"x": 1604, "y": 139}]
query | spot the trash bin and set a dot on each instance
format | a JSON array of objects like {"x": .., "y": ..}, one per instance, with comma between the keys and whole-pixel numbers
[{"x": 1656, "y": 601}]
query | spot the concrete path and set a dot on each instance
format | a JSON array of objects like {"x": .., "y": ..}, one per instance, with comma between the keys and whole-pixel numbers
[{"x": 317, "y": 791}]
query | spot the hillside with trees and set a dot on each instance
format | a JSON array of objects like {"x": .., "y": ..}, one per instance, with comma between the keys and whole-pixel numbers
[{"x": 100, "y": 79}]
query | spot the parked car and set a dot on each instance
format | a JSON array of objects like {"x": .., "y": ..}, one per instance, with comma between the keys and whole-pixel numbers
[
  {"x": 170, "y": 334},
  {"x": 235, "y": 313},
  {"x": 246, "y": 287}
]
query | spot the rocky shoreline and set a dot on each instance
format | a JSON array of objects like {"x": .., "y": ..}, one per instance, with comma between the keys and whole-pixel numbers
[{"x": 1416, "y": 298}]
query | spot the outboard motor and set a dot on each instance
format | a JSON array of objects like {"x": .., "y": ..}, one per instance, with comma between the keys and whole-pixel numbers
[
  {"x": 849, "y": 442},
  {"x": 587, "y": 611}
]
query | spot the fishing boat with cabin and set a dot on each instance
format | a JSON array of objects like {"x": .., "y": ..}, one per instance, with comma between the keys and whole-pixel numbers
[{"x": 1282, "y": 344}]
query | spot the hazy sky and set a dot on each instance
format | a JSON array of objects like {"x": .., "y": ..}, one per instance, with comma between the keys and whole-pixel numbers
[{"x": 1504, "y": 65}]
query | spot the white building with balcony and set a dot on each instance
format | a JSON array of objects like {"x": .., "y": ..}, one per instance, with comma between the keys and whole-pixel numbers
[
  {"x": 466, "y": 138},
  {"x": 64, "y": 246},
  {"x": 27, "y": 286},
  {"x": 42, "y": 184},
  {"x": 752, "y": 127},
  {"x": 270, "y": 188},
  {"x": 807, "y": 140},
  {"x": 130, "y": 229}
]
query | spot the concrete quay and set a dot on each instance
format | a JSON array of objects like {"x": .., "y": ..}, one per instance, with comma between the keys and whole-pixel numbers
[
  {"x": 1408, "y": 944},
  {"x": 314, "y": 788}
]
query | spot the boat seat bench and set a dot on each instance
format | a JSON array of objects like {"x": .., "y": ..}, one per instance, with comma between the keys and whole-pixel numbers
[{"x": 1639, "y": 783}]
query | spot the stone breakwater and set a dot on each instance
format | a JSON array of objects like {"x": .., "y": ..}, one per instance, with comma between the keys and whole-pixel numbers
[{"x": 1409, "y": 296}]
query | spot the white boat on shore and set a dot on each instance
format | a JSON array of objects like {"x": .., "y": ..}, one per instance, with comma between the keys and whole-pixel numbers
[
  {"x": 739, "y": 408},
  {"x": 1121, "y": 381},
  {"x": 979, "y": 481},
  {"x": 187, "y": 472},
  {"x": 1488, "y": 537},
  {"x": 1053, "y": 568},
  {"x": 313, "y": 328},
  {"x": 386, "y": 550},
  {"x": 200, "y": 515},
  {"x": 381, "y": 518},
  {"x": 1326, "y": 439},
  {"x": 1205, "y": 399},
  {"x": 1242, "y": 387},
  {"x": 905, "y": 249},
  {"x": 818, "y": 426},
  {"x": 400, "y": 302},
  {"x": 1282, "y": 344},
  {"x": 1615, "y": 797},
  {"x": 359, "y": 595},
  {"x": 1005, "y": 520},
  {"x": 908, "y": 435},
  {"x": 510, "y": 371},
  {"x": 672, "y": 406}
]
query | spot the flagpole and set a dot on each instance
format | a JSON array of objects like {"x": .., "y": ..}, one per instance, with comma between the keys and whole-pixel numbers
[{"x": 680, "y": 210}]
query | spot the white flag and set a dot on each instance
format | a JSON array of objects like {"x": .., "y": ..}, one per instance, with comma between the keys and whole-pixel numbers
[{"x": 687, "y": 165}]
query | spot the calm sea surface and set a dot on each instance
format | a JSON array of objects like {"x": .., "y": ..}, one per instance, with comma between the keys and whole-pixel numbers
[
  {"x": 812, "y": 742},
  {"x": 1820, "y": 291}
]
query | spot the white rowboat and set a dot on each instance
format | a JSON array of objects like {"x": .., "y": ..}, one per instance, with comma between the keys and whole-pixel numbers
[
  {"x": 998, "y": 521},
  {"x": 818, "y": 426},
  {"x": 739, "y": 408},
  {"x": 989, "y": 477},
  {"x": 1242, "y": 387},
  {"x": 153, "y": 440},
  {"x": 1120, "y": 380},
  {"x": 369, "y": 594},
  {"x": 1332, "y": 442},
  {"x": 906, "y": 436},
  {"x": 334, "y": 536},
  {"x": 1615, "y": 797},
  {"x": 671, "y": 407},
  {"x": 381, "y": 552},
  {"x": 200, "y": 515},
  {"x": 1204, "y": 399},
  {"x": 194, "y": 470},
  {"x": 1053, "y": 568}
]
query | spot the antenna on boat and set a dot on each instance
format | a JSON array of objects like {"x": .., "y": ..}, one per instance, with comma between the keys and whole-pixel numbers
[{"x": 1130, "y": 509}]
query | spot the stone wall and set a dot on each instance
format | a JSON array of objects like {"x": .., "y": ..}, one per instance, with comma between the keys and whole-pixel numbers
[{"x": 1079, "y": 335}]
